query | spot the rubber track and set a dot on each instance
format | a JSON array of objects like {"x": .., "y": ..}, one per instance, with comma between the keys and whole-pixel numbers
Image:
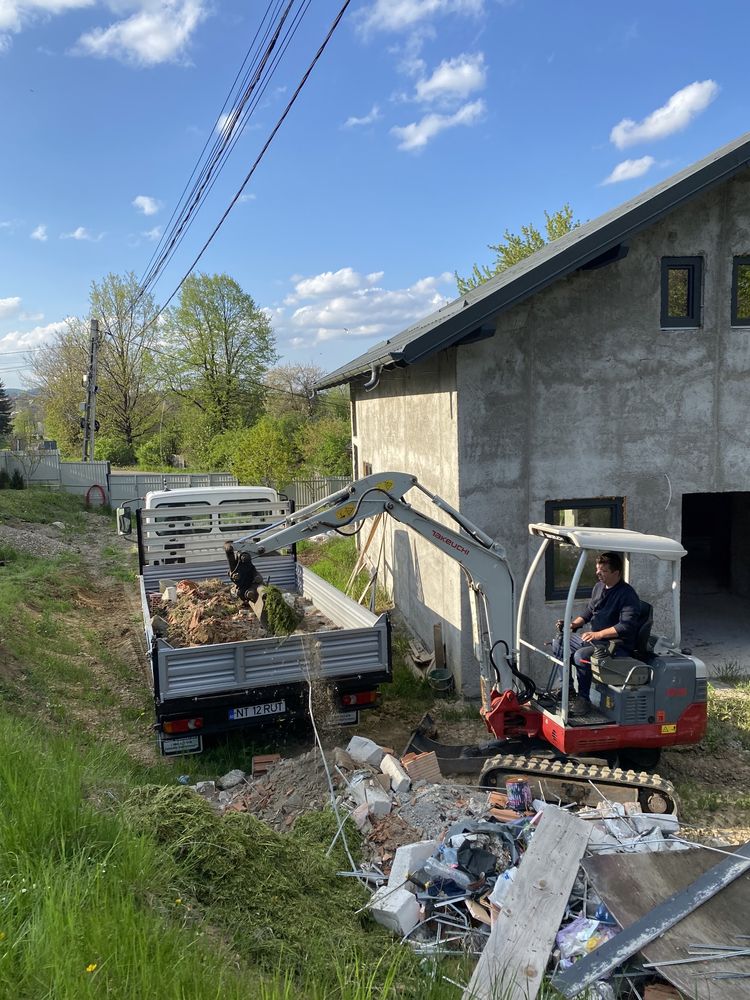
[{"x": 583, "y": 773}]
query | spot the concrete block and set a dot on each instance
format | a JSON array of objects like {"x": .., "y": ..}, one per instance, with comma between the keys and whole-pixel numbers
[
  {"x": 409, "y": 858},
  {"x": 400, "y": 780},
  {"x": 365, "y": 751},
  {"x": 396, "y": 909},
  {"x": 367, "y": 791},
  {"x": 231, "y": 779}
]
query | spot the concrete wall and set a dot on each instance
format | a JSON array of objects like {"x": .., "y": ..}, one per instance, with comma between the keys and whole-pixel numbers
[
  {"x": 409, "y": 423},
  {"x": 580, "y": 394}
]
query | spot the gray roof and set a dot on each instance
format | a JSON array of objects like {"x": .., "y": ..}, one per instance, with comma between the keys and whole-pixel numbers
[{"x": 465, "y": 317}]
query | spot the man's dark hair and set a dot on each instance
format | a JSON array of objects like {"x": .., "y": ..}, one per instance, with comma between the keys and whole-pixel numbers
[{"x": 613, "y": 559}]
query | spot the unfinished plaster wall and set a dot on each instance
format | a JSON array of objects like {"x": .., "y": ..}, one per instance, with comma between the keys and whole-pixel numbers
[
  {"x": 580, "y": 394},
  {"x": 408, "y": 423}
]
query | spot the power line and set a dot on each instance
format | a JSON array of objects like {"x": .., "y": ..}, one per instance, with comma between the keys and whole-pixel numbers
[{"x": 262, "y": 153}]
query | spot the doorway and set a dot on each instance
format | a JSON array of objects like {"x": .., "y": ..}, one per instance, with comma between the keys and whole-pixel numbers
[{"x": 716, "y": 579}]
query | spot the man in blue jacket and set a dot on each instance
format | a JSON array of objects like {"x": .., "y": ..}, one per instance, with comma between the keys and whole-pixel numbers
[{"x": 612, "y": 613}]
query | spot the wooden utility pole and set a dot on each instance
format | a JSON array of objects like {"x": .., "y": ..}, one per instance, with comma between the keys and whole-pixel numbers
[{"x": 88, "y": 422}]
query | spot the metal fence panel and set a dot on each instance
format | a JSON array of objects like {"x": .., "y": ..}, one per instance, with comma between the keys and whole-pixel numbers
[
  {"x": 79, "y": 477},
  {"x": 131, "y": 485},
  {"x": 40, "y": 468},
  {"x": 307, "y": 491}
]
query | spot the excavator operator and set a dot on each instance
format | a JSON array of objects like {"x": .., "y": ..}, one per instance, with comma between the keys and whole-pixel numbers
[{"x": 612, "y": 613}]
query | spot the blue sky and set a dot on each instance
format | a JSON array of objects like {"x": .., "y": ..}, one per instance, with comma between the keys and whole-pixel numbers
[{"x": 427, "y": 129}]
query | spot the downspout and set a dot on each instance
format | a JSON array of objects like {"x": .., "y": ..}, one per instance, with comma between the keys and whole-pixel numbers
[{"x": 374, "y": 378}]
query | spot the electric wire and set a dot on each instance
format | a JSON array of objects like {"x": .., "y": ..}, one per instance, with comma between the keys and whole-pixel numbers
[
  {"x": 261, "y": 154},
  {"x": 230, "y": 133},
  {"x": 213, "y": 132}
]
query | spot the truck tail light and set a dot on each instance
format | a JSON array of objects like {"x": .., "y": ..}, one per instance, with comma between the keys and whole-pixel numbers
[
  {"x": 360, "y": 698},
  {"x": 182, "y": 725}
]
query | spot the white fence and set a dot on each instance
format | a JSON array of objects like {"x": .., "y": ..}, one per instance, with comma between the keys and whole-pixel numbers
[
  {"x": 44, "y": 468},
  {"x": 131, "y": 485},
  {"x": 307, "y": 491}
]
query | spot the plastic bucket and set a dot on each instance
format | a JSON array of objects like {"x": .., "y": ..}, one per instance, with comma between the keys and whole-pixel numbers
[{"x": 441, "y": 682}]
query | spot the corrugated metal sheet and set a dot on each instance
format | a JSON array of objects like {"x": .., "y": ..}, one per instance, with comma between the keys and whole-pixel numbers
[{"x": 332, "y": 602}]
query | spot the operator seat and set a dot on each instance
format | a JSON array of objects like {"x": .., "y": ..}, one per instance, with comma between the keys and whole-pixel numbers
[{"x": 645, "y": 624}]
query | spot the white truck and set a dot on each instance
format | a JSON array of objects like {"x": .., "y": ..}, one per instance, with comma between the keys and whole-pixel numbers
[{"x": 208, "y": 690}]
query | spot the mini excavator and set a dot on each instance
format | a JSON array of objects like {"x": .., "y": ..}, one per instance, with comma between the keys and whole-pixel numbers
[{"x": 656, "y": 698}]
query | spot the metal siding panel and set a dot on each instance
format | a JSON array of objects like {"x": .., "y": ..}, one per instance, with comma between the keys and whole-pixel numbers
[{"x": 334, "y": 604}]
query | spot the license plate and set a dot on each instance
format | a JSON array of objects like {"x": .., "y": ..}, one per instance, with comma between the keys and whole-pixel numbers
[
  {"x": 257, "y": 711},
  {"x": 348, "y": 718},
  {"x": 182, "y": 744}
]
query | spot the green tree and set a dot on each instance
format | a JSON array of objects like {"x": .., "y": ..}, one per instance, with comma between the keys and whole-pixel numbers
[
  {"x": 218, "y": 348},
  {"x": 326, "y": 447},
  {"x": 265, "y": 454},
  {"x": 127, "y": 372},
  {"x": 515, "y": 247},
  {"x": 6, "y": 410},
  {"x": 127, "y": 400}
]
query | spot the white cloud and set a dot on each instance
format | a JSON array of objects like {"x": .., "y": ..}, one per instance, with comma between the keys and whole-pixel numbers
[
  {"x": 40, "y": 233},
  {"x": 674, "y": 116},
  {"x": 22, "y": 340},
  {"x": 9, "y": 306},
  {"x": 246, "y": 197},
  {"x": 416, "y": 135},
  {"x": 81, "y": 233},
  {"x": 146, "y": 204},
  {"x": 159, "y": 31},
  {"x": 454, "y": 79},
  {"x": 372, "y": 116},
  {"x": 15, "y": 15},
  {"x": 346, "y": 279},
  {"x": 351, "y": 305},
  {"x": 153, "y": 234},
  {"x": 397, "y": 15},
  {"x": 629, "y": 169}
]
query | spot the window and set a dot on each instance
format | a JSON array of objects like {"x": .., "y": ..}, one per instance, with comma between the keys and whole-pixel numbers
[
  {"x": 600, "y": 512},
  {"x": 681, "y": 279},
  {"x": 741, "y": 292},
  {"x": 367, "y": 468},
  {"x": 188, "y": 524}
]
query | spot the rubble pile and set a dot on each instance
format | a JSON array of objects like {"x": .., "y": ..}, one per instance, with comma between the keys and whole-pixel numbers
[
  {"x": 210, "y": 612},
  {"x": 450, "y": 865}
]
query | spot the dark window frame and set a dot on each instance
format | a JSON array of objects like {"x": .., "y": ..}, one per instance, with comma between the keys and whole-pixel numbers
[
  {"x": 694, "y": 267},
  {"x": 615, "y": 504},
  {"x": 366, "y": 469},
  {"x": 737, "y": 263}
]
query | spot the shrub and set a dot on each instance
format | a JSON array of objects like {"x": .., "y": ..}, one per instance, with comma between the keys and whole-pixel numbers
[
  {"x": 4, "y": 480},
  {"x": 17, "y": 481},
  {"x": 113, "y": 449}
]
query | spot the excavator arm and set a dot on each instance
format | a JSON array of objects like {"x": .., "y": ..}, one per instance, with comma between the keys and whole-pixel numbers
[{"x": 481, "y": 559}]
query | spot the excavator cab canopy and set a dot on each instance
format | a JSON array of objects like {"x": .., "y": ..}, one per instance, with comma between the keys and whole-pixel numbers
[{"x": 611, "y": 539}]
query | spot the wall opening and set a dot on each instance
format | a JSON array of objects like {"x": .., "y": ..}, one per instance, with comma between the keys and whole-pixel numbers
[{"x": 716, "y": 578}]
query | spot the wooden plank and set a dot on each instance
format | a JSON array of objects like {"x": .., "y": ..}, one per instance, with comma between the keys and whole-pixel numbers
[
  {"x": 515, "y": 957},
  {"x": 654, "y": 921}
]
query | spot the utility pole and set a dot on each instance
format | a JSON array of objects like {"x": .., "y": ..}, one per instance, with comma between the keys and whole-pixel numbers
[{"x": 89, "y": 422}]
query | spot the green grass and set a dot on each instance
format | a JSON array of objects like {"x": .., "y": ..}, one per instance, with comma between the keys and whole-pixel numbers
[
  {"x": 334, "y": 561},
  {"x": 728, "y": 719},
  {"x": 40, "y": 506}
]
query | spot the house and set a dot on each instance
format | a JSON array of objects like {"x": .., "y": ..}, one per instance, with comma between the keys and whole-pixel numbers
[{"x": 603, "y": 381}]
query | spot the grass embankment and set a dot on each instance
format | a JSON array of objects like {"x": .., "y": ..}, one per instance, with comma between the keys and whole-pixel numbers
[{"x": 114, "y": 880}]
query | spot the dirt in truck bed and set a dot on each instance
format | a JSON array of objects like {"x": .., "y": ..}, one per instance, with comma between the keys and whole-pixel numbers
[{"x": 209, "y": 612}]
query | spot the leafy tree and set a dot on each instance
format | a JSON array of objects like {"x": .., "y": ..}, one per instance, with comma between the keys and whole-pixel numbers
[
  {"x": 515, "y": 247},
  {"x": 218, "y": 348},
  {"x": 110, "y": 448},
  {"x": 264, "y": 454},
  {"x": 6, "y": 410},
  {"x": 292, "y": 389},
  {"x": 326, "y": 447},
  {"x": 127, "y": 375},
  {"x": 127, "y": 372}
]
